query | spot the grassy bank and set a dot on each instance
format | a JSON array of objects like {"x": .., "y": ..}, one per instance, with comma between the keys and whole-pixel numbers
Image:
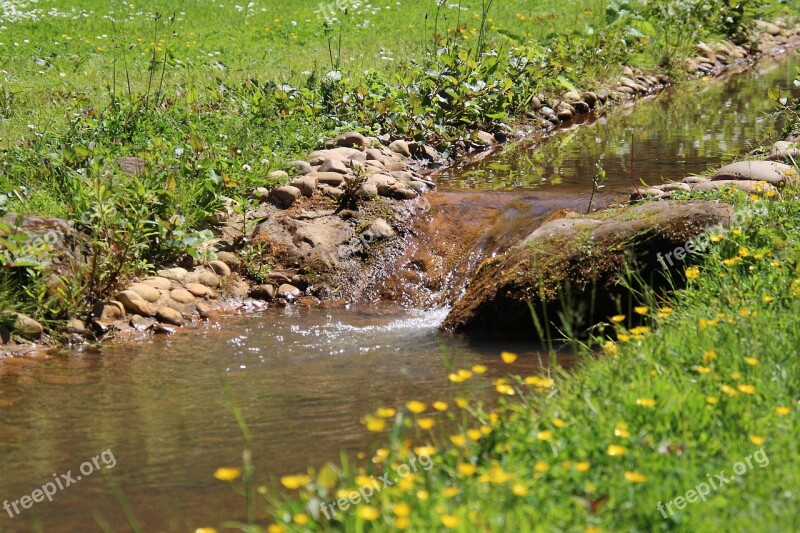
[{"x": 215, "y": 96}]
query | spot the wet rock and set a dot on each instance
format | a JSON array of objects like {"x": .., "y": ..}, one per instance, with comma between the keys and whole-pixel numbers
[
  {"x": 108, "y": 311},
  {"x": 75, "y": 326},
  {"x": 769, "y": 171},
  {"x": 158, "y": 283},
  {"x": 210, "y": 279},
  {"x": 581, "y": 107},
  {"x": 135, "y": 304},
  {"x": 279, "y": 175},
  {"x": 286, "y": 195},
  {"x": 351, "y": 139},
  {"x": 207, "y": 312},
  {"x": 563, "y": 257},
  {"x": 168, "y": 315},
  {"x": 199, "y": 290},
  {"x": 404, "y": 193},
  {"x": 262, "y": 292},
  {"x": 334, "y": 179},
  {"x": 182, "y": 296},
  {"x": 176, "y": 274},
  {"x": 140, "y": 323},
  {"x": 571, "y": 96},
  {"x": 288, "y": 292},
  {"x": 384, "y": 184},
  {"x": 400, "y": 147},
  {"x": 307, "y": 184},
  {"x": 301, "y": 167},
  {"x": 564, "y": 114},
  {"x": 220, "y": 269},
  {"x": 602, "y": 96},
  {"x": 590, "y": 98},
  {"x": 164, "y": 329},
  {"x": 148, "y": 292},
  {"x": 423, "y": 151},
  {"x": 333, "y": 165},
  {"x": 27, "y": 328}
]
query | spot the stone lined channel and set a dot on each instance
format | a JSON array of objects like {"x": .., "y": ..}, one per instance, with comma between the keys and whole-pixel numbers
[{"x": 304, "y": 377}]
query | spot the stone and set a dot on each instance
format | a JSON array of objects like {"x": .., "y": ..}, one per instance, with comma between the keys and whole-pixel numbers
[
  {"x": 333, "y": 192},
  {"x": 334, "y": 179},
  {"x": 351, "y": 139},
  {"x": 168, "y": 315},
  {"x": 27, "y": 328},
  {"x": 75, "y": 326},
  {"x": 768, "y": 27},
  {"x": 307, "y": 184},
  {"x": 784, "y": 151},
  {"x": 164, "y": 329},
  {"x": 135, "y": 304},
  {"x": 572, "y": 96},
  {"x": 695, "y": 179},
  {"x": 158, "y": 282},
  {"x": 373, "y": 154},
  {"x": 207, "y": 312},
  {"x": 486, "y": 138},
  {"x": 175, "y": 274},
  {"x": 383, "y": 184},
  {"x": 279, "y": 174},
  {"x": 404, "y": 193},
  {"x": 260, "y": 194},
  {"x": 564, "y": 114},
  {"x": 108, "y": 311},
  {"x": 650, "y": 192},
  {"x": 220, "y": 269},
  {"x": 288, "y": 292},
  {"x": 148, "y": 292},
  {"x": 590, "y": 98},
  {"x": 141, "y": 323},
  {"x": 230, "y": 259},
  {"x": 300, "y": 167},
  {"x": 669, "y": 187},
  {"x": 342, "y": 154},
  {"x": 199, "y": 290},
  {"x": 209, "y": 279},
  {"x": 367, "y": 190},
  {"x": 333, "y": 165},
  {"x": 286, "y": 195},
  {"x": 182, "y": 296},
  {"x": 400, "y": 147},
  {"x": 769, "y": 171},
  {"x": 380, "y": 229},
  {"x": 262, "y": 292},
  {"x": 748, "y": 186},
  {"x": 581, "y": 107}
]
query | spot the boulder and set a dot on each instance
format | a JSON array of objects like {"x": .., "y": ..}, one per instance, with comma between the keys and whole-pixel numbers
[
  {"x": 182, "y": 296},
  {"x": 351, "y": 139},
  {"x": 108, "y": 311},
  {"x": 286, "y": 195},
  {"x": 288, "y": 292},
  {"x": 210, "y": 279},
  {"x": 307, "y": 184},
  {"x": 146, "y": 291},
  {"x": 27, "y": 328},
  {"x": 168, "y": 315},
  {"x": 158, "y": 283},
  {"x": 263, "y": 292},
  {"x": 769, "y": 171},
  {"x": 784, "y": 151},
  {"x": 334, "y": 179},
  {"x": 199, "y": 290},
  {"x": 175, "y": 274},
  {"x": 333, "y": 165},
  {"x": 400, "y": 147},
  {"x": 300, "y": 167},
  {"x": 135, "y": 304},
  {"x": 220, "y": 269},
  {"x": 207, "y": 312}
]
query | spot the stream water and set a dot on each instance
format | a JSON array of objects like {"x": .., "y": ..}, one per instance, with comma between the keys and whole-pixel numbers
[{"x": 304, "y": 377}]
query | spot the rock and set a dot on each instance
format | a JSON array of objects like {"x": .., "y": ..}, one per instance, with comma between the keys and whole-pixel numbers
[
  {"x": 333, "y": 165},
  {"x": 333, "y": 192},
  {"x": 380, "y": 229},
  {"x": 706, "y": 52},
  {"x": 207, "y": 312},
  {"x": 581, "y": 107},
  {"x": 342, "y": 154},
  {"x": 168, "y": 315},
  {"x": 301, "y": 167},
  {"x": 199, "y": 290},
  {"x": 351, "y": 139},
  {"x": 769, "y": 171},
  {"x": 602, "y": 96},
  {"x": 27, "y": 328},
  {"x": 564, "y": 114},
  {"x": 279, "y": 175},
  {"x": 582, "y": 260},
  {"x": 210, "y": 279},
  {"x": 263, "y": 292},
  {"x": 164, "y": 329},
  {"x": 374, "y": 154},
  {"x": 334, "y": 179},
  {"x": 768, "y": 27},
  {"x": 651, "y": 192},
  {"x": 486, "y": 138},
  {"x": 404, "y": 193},
  {"x": 176, "y": 274},
  {"x": 753, "y": 187},
  {"x": 182, "y": 296},
  {"x": 669, "y": 187},
  {"x": 400, "y": 147},
  {"x": 784, "y": 151},
  {"x": 694, "y": 179},
  {"x": 288, "y": 292},
  {"x": 141, "y": 323},
  {"x": 260, "y": 194},
  {"x": 384, "y": 184},
  {"x": 148, "y": 292},
  {"x": 393, "y": 166},
  {"x": 571, "y": 96},
  {"x": 135, "y": 304},
  {"x": 75, "y": 326},
  {"x": 286, "y": 195},
  {"x": 158, "y": 283},
  {"x": 220, "y": 269},
  {"x": 307, "y": 184},
  {"x": 367, "y": 190},
  {"x": 232, "y": 260},
  {"x": 108, "y": 311},
  {"x": 590, "y": 98}
]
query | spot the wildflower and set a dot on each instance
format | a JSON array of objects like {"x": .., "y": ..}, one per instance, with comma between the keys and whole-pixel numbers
[
  {"x": 300, "y": 519},
  {"x": 635, "y": 477},
  {"x": 440, "y": 406},
  {"x": 461, "y": 402},
  {"x": 703, "y": 323},
  {"x": 736, "y": 375},
  {"x": 715, "y": 238},
  {"x": 295, "y": 482},
  {"x": 641, "y": 330},
  {"x": 458, "y": 440},
  {"x": 401, "y": 522},
  {"x": 582, "y": 466},
  {"x": 227, "y": 473},
  {"x": 541, "y": 466},
  {"x": 692, "y": 273},
  {"x": 545, "y": 435},
  {"x": 479, "y": 369},
  {"x": 539, "y": 381},
  {"x": 416, "y": 407},
  {"x": 425, "y": 451},
  {"x": 519, "y": 490},
  {"x": 783, "y": 411},
  {"x": 736, "y": 232},
  {"x": 367, "y": 512},
  {"x": 767, "y": 299},
  {"x": 374, "y": 424},
  {"x": 557, "y": 422},
  {"x": 618, "y": 318},
  {"x": 621, "y": 430},
  {"x": 743, "y": 251},
  {"x": 423, "y": 495},
  {"x": 708, "y": 355},
  {"x": 755, "y": 439},
  {"x": 641, "y": 310},
  {"x": 712, "y": 400},
  {"x": 426, "y": 423},
  {"x": 385, "y": 412},
  {"x": 664, "y": 312},
  {"x": 485, "y": 430},
  {"x": 615, "y": 449},
  {"x": 449, "y": 492},
  {"x": 275, "y": 528},
  {"x": 730, "y": 391},
  {"x": 449, "y": 521},
  {"x": 380, "y": 455},
  {"x": 402, "y": 509},
  {"x": 508, "y": 357},
  {"x": 752, "y": 361},
  {"x": 702, "y": 369},
  {"x": 610, "y": 348},
  {"x": 646, "y": 402},
  {"x": 466, "y": 469},
  {"x": 504, "y": 388},
  {"x": 623, "y": 337},
  {"x": 747, "y": 389}
]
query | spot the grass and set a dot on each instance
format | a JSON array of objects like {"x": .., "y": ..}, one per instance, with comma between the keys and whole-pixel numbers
[{"x": 704, "y": 387}]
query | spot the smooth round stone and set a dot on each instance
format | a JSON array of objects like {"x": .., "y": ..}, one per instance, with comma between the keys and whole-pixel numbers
[
  {"x": 182, "y": 296},
  {"x": 148, "y": 292}
]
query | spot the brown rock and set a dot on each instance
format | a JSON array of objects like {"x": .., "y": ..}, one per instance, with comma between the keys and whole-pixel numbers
[
  {"x": 176, "y": 274},
  {"x": 182, "y": 296},
  {"x": 207, "y": 312},
  {"x": 146, "y": 291},
  {"x": 220, "y": 269},
  {"x": 288, "y": 292},
  {"x": 169, "y": 315},
  {"x": 158, "y": 283},
  {"x": 108, "y": 311},
  {"x": 135, "y": 304},
  {"x": 199, "y": 290},
  {"x": 263, "y": 292},
  {"x": 27, "y": 328},
  {"x": 209, "y": 279}
]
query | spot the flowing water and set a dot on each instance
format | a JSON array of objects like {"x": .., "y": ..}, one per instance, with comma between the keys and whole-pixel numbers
[{"x": 304, "y": 377}]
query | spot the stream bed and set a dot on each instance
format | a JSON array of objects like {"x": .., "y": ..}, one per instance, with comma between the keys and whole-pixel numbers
[{"x": 304, "y": 377}]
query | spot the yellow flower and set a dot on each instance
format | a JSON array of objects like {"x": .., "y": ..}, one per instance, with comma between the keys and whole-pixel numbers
[
  {"x": 664, "y": 312},
  {"x": 484, "y": 429},
  {"x": 618, "y": 318},
  {"x": 539, "y": 381},
  {"x": 730, "y": 391},
  {"x": 744, "y": 251},
  {"x": 380, "y": 455},
  {"x": 692, "y": 273},
  {"x": 473, "y": 434},
  {"x": 385, "y": 412},
  {"x": 747, "y": 389},
  {"x": 295, "y": 482},
  {"x": 450, "y": 492},
  {"x": 621, "y": 430},
  {"x": 767, "y": 299},
  {"x": 300, "y": 519},
  {"x": 519, "y": 490},
  {"x": 582, "y": 466},
  {"x": 367, "y": 512},
  {"x": 702, "y": 369},
  {"x": 557, "y": 422},
  {"x": 623, "y": 337},
  {"x": 401, "y": 523},
  {"x": 402, "y": 509},
  {"x": 461, "y": 402},
  {"x": 646, "y": 402},
  {"x": 755, "y": 439},
  {"x": 736, "y": 375},
  {"x": 466, "y": 469},
  {"x": 508, "y": 357},
  {"x": 641, "y": 330},
  {"x": 635, "y": 477},
  {"x": 425, "y": 450},
  {"x": 426, "y": 423},
  {"x": 374, "y": 424},
  {"x": 440, "y": 406},
  {"x": 715, "y": 238},
  {"x": 641, "y": 310},
  {"x": 450, "y": 521},
  {"x": 545, "y": 435},
  {"x": 422, "y": 495},
  {"x": 708, "y": 355},
  {"x": 752, "y": 361},
  {"x": 615, "y": 449},
  {"x": 783, "y": 411},
  {"x": 504, "y": 388},
  {"x": 458, "y": 440},
  {"x": 275, "y": 528},
  {"x": 711, "y": 400},
  {"x": 737, "y": 232},
  {"x": 228, "y": 473},
  {"x": 479, "y": 369},
  {"x": 205, "y": 530},
  {"x": 416, "y": 407},
  {"x": 610, "y": 348},
  {"x": 541, "y": 466}
]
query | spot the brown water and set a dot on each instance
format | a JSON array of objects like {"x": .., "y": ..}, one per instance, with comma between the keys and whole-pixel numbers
[{"x": 303, "y": 378}]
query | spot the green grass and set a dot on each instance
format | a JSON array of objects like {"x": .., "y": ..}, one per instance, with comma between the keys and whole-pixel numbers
[{"x": 709, "y": 381}]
